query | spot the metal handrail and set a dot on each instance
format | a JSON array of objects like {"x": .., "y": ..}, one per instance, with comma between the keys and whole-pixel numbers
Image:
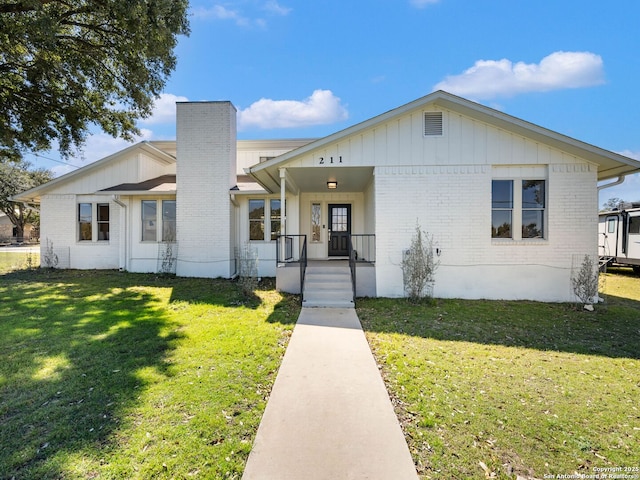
[
  {"x": 303, "y": 267},
  {"x": 352, "y": 267},
  {"x": 289, "y": 256}
]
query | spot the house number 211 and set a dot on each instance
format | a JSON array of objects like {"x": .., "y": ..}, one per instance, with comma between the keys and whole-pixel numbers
[{"x": 322, "y": 161}]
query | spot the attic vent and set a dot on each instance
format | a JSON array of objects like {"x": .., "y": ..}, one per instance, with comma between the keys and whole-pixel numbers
[{"x": 432, "y": 124}]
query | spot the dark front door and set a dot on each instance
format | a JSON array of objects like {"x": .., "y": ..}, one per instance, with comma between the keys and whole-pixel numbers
[{"x": 340, "y": 225}]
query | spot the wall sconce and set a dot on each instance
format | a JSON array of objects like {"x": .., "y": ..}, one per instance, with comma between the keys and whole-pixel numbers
[{"x": 332, "y": 185}]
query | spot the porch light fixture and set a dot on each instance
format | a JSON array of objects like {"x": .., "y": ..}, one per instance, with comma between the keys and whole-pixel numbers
[{"x": 332, "y": 185}]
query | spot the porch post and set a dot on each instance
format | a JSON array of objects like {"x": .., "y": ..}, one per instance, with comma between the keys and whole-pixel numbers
[{"x": 283, "y": 217}]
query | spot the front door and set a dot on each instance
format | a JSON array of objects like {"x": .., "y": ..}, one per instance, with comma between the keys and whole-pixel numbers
[{"x": 340, "y": 229}]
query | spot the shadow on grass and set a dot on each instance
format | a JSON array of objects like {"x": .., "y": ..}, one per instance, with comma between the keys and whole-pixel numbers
[
  {"x": 71, "y": 351},
  {"x": 613, "y": 330}
]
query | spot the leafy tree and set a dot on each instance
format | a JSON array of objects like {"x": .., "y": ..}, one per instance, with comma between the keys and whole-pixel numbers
[
  {"x": 612, "y": 204},
  {"x": 67, "y": 65},
  {"x": 16, "y": 177}
]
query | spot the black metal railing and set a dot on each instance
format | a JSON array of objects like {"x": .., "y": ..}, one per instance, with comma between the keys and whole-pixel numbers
[
  {"x": 364, "y": 247},
  {"x": 293, "y": 249},
  {"x": 352, "y": 267}
]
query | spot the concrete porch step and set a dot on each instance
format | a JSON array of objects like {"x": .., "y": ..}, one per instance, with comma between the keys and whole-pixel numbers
[{"x": 328, "y": 285}]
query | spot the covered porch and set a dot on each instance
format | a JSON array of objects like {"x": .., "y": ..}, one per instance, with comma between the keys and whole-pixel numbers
[{"x": 329, "y": 219}]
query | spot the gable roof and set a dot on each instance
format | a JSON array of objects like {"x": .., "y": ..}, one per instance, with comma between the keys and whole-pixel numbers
[
  {"x": 610, "y": 164},
  {"x": 149, "y": 148}
]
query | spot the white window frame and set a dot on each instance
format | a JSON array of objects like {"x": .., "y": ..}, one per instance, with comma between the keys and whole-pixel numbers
[
  {"x": 516, "y": 213},
  {"x": 95, "y": 231},
  {"x": 265, "y": 220}
]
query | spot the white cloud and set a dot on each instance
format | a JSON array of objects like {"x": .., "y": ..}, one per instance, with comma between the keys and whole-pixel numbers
[
  {"x": 164, "y": 109},
  {"x": 275, "y": 8},
  {"x": 220, "y": 12},
  {"x": 422, "y": 3},
  {"x": 321, "y": 108},
  {"x": 503, "y": 78},
  {"x": 630, "y": 154}
]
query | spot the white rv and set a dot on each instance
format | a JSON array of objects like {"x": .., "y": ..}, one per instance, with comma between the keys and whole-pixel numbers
[{"x": 619, "y": 237}]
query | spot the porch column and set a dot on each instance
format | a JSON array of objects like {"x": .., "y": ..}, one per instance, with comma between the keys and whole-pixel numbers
[{"x": 283, "y": 217}]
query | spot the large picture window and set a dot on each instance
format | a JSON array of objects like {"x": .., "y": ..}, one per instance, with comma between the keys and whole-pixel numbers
[{"x": 518, "y": 209}]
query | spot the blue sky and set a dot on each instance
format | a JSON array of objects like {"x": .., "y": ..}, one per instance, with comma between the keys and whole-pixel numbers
[{"x": 300, "y": 68}]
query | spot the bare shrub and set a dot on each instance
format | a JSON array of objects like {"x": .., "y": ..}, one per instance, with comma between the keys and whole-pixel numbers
[{"x": 419, "y": 266}]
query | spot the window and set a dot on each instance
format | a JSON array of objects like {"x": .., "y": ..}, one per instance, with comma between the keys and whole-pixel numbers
[
  {"x": 103, "y": 221},
  {"x": 316, "y": 219},
  {"x": 533, "y": 200},
  {"x": 149, "y": 220},
  {"x": 634, "y": 225},
  {"x": 518, "y": 203},
  {"x": 611, "y": 222},
  {"x": 168, "y": 220},
  {"x": 256, "y": 219},
  {"x": 501, "y": 208},
  {"x": 93, "y": 224},
  {"x": 85, "y": 212},
  {"x": 265, "y": 217},
  {"x": 275, "y": 217}
]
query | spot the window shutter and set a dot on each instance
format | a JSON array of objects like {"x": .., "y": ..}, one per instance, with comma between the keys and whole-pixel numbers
[{"x": 432, "y": 124}]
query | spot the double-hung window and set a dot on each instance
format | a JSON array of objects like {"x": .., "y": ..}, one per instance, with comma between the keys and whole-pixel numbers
[
  {"x": 149, "y": 220},
  {"x": 265, "y": 217},
  {"x": 518, "y": 209},
  {"x": 85, "y": 221},
  {"x": 158, "y": 226},
  {"x": 93, "y": 222}
]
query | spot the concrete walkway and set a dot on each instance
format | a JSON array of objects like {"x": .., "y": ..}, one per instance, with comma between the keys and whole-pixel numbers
[{"x": 329, "y": 415}]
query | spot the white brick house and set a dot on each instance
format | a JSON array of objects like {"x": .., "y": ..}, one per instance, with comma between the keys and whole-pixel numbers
[{"x": 508, "y": 203}]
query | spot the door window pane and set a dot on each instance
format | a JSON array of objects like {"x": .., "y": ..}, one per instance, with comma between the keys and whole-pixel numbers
[
  {"x": 149, "y": 220},
  {"x": 339, "y": 220},
  {"x": 84, "y": 221}
]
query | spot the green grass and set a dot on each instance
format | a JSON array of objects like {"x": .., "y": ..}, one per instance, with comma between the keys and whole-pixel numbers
[
  {"x": 514, "y": 387},
  {"x": 113, "y": 375},
  {"x": 10, "y": 261}
]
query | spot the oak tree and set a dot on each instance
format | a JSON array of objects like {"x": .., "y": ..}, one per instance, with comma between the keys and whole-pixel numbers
[
  {"x": 17, "y": 177},
  {"x": 66, "y": 65}
]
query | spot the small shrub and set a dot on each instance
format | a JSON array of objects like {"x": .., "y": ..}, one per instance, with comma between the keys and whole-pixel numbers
[
  {"x": 248, "y": 270},
  {"x": 49, "y": 257},
  {"x": 419, "y": 266},
  {"x": 585, "y": 281}
]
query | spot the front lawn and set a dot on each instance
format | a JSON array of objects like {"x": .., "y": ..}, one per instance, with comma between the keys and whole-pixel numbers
[
  {"x": 114, "y": 375},
  {"x": 498, "y": 389}
]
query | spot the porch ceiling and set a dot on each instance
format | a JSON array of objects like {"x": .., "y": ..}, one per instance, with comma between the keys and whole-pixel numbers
[{"x": 350, "y": 179}]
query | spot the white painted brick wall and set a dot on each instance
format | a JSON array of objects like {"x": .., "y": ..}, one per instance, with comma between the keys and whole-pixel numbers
[
  {"x": 454, "y": 204},
  {"x": 206, "y": 167},
  {"x": 58, "y": 222}
]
